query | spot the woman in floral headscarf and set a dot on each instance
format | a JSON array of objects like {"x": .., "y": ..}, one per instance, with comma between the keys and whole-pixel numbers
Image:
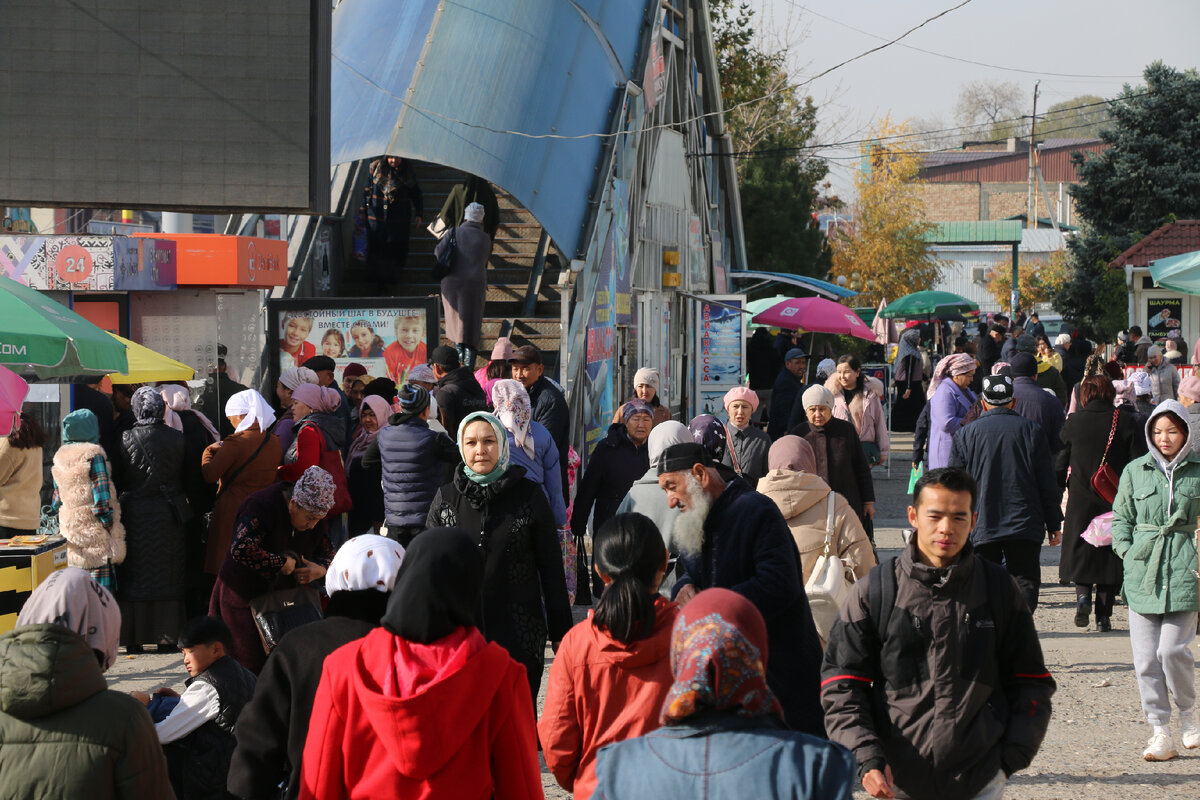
[
  {"x": 155, "y": 510},
  {"x": 723, "y": 728},
  {"x": 530, "y": 445},
  {"x": 516, "y": 530},
  {"x": 949, "y": 401}
]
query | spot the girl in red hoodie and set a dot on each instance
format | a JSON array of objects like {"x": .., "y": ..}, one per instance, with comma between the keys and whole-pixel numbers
[
  {"x": 424, "y": 707},
  {"x": 612, "y": 671}
]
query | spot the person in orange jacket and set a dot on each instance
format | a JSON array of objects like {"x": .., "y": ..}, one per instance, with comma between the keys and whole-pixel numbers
[{"x": 613, "y": 670}]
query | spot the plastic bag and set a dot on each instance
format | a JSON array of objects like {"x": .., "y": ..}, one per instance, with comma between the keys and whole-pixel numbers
[{"x": 1098, "y": 533}]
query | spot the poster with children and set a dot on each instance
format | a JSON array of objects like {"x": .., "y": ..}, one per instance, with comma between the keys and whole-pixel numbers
[{"x": 387, "y": 337}]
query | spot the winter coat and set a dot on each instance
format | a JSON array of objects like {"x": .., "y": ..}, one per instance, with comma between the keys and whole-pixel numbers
[
  {"x": 1154, "y": 525},
  {"x": 20, "y": 486},
  {"x": 1050, "y": 378},
  {"x": 647, "y": 498},
  {"x": 317, "y": 432},
  {"x": 550, "y": 409},
  {"x": 415, "y": 461},
  {"x": 465, "y": 288},
  {"x": 274, "y": 724},
  {"x": 803, "y": 500},
  {"x": 615, "y": 464},
  {"x": 196, "y": 439},
  {"x": 218, "y": 465},
  {"x": 1034, "y": 403},
  {"x": 1194, "y": 421},
  {"x": 458, "y": 394},
  {"x": 723, "y": 756},
  {"x": 522, "y": 561},
  {"x": 1164, "y": 382},
  {"x": 155, "y": 511},
  {"x": 865, "y": 411},
  {"x": 747, "y": 452},
  {"x": 468, "y": 733},
  {"x": 1084, "y": 436},
  {"x": 785, "y": 396},
  {"x": 989, "y": 706},
  {"x": 89, "y": 543},
  {"x": 543, "y": 468},
  {"x": 748, "y": 549},
  {"x": 63, "y": 733},
  {"x": 661, "y": 413},
  {"x": 987, "y": 353},
  {"x": 602, "y": 691},
  {"x": 1008, "y": 457},
  {"x": 841, "y": 462},
  {"x": 947, "y": 409}
]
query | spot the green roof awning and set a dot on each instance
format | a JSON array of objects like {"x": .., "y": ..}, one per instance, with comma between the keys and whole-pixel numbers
[{"x": 964, "y": 233}]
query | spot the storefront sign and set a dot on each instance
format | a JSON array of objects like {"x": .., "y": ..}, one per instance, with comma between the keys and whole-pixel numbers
[
  {"x": 388, "y": 336},
  {"x": 76, "y": 263},
  {"x": 1163, "y": 315},
  {"x": 598, "y": 360},
  {"x": 720, "y": 350},
  {"x": 210, "y": 259},
  {"x": 153, "y": 270}
]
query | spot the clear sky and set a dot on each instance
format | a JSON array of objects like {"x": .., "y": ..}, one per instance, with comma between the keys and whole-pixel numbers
[{"x": 1094, "y": 39}]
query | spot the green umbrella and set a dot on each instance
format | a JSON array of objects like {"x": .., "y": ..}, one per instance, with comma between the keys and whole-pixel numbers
[
  {"x": 39, "y": 334},
  {"x": 758, "y": 306},
  {"x": 1181, "y": 273},
  {"x": 928, "y": 304}
]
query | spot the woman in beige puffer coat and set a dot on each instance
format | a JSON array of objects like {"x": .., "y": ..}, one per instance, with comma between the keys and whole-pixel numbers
[{"x": 804, "y": 499}]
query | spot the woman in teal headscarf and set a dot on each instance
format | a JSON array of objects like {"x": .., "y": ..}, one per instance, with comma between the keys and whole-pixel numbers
[{"x": 493, "y": 500}]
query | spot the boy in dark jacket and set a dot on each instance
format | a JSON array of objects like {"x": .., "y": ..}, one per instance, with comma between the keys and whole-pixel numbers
[
  {"x": 415, "y": 461},
  {"x": 933, "y": 674},
  {"x": 198, "y": 734}
]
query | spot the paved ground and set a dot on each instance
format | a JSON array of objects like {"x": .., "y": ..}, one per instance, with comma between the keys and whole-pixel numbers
[{"x": 1097, "y": 732}]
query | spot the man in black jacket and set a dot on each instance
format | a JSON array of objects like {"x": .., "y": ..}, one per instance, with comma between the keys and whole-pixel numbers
[
  {"x": 730, "y": 536},
  {"x": 933, "y": 674},
  {"x": 549, "y": 404},
  {"x": 1019, "y": 498},
  {"x": 789, "y": 385},
  {"x": 457, "y": 392}
]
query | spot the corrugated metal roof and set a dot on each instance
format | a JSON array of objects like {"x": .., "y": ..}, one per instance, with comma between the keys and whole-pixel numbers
[
  {"x": 975, "y": 233},
  {"x": 1002, "y": 166},
  {"x": 444, "y": 82}
]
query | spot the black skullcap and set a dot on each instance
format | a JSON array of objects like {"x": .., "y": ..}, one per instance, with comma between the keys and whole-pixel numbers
[
  {"x": 683, "y": 456},
  {"x": 998, "y": 389},
  {"x": 320, "y": 364}
]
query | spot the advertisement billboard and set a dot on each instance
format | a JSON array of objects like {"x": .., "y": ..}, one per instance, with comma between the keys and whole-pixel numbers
[
  {"x": 387, "y": 335},
  {"x": 720, "y": 350}
]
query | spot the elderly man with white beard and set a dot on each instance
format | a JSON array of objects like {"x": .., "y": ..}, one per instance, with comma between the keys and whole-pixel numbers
[{"x": 730, "y": 536}]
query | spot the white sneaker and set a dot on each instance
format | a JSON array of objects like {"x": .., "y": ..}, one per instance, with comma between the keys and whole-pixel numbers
[
  {"x": 1160, "y": 748},
  {"x": 1190, "y": 731}
]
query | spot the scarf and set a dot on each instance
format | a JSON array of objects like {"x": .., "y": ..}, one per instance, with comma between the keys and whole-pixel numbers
[
  {"x": 957, "y": 364},
  {"x": 179, "y": 399},
  {"x": 910, "y": 342},
  {"x": 70, "y": 598},
  {"x": 148, "y": 406},
  {"x": 439, "y": 587},
  {"x": 501, "y": 440},
  {"x": 254, "y": 410},
  {"x": 362, "y": 437},
  {"x": 514, "y": 411},
  {"x": 318, "y": 398},
  {"x": 793, "y": 453},
  {"x": 719, "y": 659}
]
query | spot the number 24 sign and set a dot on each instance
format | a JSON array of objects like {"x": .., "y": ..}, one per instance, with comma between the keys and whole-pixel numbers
[{"x": 73, "y": 264}]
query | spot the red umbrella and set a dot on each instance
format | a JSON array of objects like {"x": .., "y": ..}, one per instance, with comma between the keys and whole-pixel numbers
[{"x": 814, "y": 315}]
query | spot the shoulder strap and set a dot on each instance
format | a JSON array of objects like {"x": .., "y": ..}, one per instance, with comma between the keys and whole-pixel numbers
[
  {"x": 999, "y": 590},
  {"x": 1112, "y": 431},
  {"x": 732, "y": 451},
  {"x": 881, "y": 594},
  {"x": 247, "y": 462},
  {"x": 828, "y": 523}
]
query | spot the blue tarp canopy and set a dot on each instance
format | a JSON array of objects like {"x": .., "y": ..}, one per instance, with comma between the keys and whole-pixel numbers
[
  {"x": 448, "y": 83},
  {"x": 819, "y": 287},
  {"x": 1181, "y": 272}
]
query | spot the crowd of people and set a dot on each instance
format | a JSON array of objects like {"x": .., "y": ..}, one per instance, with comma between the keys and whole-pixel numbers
[{"x": 437, "y": 535}]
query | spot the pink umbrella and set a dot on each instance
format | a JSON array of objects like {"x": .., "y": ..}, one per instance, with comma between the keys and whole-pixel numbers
[
  {"x": 814, "y": 315},
  {"x": 884, "y": 329},
  {"x": 12, "y": 394}
]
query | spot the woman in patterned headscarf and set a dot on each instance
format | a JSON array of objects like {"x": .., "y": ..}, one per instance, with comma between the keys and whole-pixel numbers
[
  {"x": 950, "y": 398},
  {"x": 723, "y": 728},
  {"x": 494, "y": 500},
  {"x": 530, "y": 445},
  {"x": 155, "y": 510}
]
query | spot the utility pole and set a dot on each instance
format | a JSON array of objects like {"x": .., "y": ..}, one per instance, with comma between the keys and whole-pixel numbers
[{"x": 1031, "y": 204}]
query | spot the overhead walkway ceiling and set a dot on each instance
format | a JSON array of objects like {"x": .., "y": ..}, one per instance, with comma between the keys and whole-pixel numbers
[{"x": 443, "y": 86}]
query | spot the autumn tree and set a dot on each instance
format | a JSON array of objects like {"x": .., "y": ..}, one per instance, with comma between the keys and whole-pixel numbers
[
  {"x": 884, "y": 252},
  {"x": 1039, "y": 280},
  {"x": 995, "y": 108},
  {"x": 1080, "y": 117}
]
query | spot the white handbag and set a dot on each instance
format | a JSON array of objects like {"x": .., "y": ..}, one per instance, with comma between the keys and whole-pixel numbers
[{"x": 829, "y": 584}]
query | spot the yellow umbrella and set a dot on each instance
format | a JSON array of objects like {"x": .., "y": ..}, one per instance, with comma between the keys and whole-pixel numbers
[{"x": 147, "y": 366}]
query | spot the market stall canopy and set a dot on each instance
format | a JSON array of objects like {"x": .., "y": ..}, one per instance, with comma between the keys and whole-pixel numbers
[
  {"x": 762, "y": 304},
  {"x": 929, "y": 304},
  {"x": 47, "y": 338},
  {"x": 13, "y": 391},
  {"x": 814, "y": 285},
  {"x": 814, "y": 315},
  {"x": 147, "y": 366},
  {"x": 1181, "y": 272}
]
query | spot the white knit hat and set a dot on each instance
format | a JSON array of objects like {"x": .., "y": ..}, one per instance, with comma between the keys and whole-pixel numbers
[{"x": 647, "y": 376}]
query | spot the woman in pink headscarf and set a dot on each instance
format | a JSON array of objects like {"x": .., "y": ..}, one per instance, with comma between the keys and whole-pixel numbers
[
  {"x": 950, "y": 399},
  {"x": 318, "y": 429}
]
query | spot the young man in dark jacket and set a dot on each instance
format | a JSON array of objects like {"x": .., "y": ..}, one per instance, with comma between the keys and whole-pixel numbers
[
  {"x": 933, "y": 674},
  {"x": 1019, "y": 498},
  {"x": 415, "y": 462},
  {"x": 548, "y": 403},
  {"x": 458, "y": 393}
]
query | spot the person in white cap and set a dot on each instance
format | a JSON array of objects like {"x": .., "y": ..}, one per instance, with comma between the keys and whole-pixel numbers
[{"x": 646, "y": 383}]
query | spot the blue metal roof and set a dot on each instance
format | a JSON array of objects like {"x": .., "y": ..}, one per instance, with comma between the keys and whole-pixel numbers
[
  {"x": 822, "y": 288},
  {"x": 441, "y": 85}
]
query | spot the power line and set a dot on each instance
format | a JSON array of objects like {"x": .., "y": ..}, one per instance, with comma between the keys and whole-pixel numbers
[{"x": 962, "y": 60}]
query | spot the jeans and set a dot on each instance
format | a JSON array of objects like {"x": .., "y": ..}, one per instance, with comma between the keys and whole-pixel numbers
[
  {"x": 1163, "y": 662},
  {"x": 1022, "y": 559}
]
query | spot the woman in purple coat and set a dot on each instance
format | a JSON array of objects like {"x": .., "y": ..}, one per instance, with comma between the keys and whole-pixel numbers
[{"x": 949, "y": 401}]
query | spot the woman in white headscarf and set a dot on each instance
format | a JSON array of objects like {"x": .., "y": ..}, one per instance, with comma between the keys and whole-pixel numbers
[
  {"x": 240, "y": 465},
  {"x": 530, "y": 444},
  {"x": 465, "y": 288}
]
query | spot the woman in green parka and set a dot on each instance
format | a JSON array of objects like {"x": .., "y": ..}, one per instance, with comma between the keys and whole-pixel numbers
[{"x": 1154, "y": 533}]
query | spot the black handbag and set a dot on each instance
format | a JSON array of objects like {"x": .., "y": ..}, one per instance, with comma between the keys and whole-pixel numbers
[
  {"x": 282, "y": 610},
  {"x": 445, "y": 262}
]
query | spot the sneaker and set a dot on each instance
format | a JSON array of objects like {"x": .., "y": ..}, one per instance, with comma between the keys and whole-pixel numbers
[
  {"x": 1191, "y": 731},
  {"x": 1083, "y": 610},
  {"x": 1160, "y": 748}
]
